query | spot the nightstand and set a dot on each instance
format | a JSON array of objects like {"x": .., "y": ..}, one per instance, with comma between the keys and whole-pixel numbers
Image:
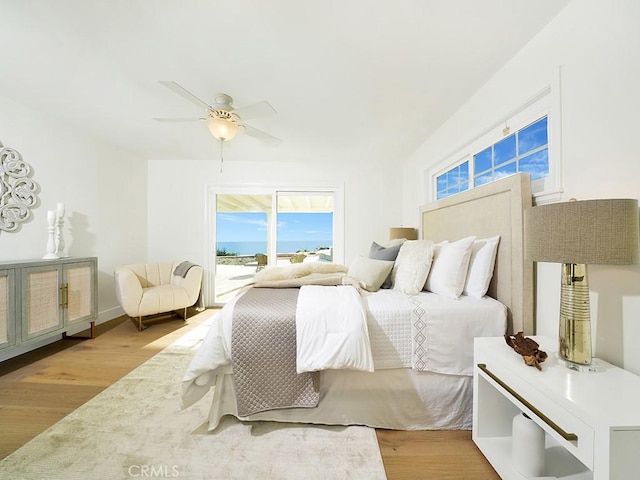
[{"x": 591, "y": 419}]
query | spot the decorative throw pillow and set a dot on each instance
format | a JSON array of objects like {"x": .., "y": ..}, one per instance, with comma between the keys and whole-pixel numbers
[
  {"x": 449, "y": 269},
  {"x": 412, "y": 266},
  {"x": 370, "y": 272},
  {"x": 379, "y": 252},
  {"x": 481, "y": 264}
]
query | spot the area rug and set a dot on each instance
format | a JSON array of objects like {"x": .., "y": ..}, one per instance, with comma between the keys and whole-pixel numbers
[{"x": 136, "y": 429}]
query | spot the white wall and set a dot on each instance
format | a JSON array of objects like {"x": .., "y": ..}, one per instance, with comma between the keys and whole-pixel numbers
[
  {"x": 596, "y": 46},
  {"x": 177, "y": 198},
  {"x": 103, "y": 188}
]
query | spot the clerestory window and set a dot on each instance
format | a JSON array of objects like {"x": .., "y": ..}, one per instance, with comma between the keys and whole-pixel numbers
[
  {"x": 527, "y": 141},
  {"x": 526, "y": 150}
]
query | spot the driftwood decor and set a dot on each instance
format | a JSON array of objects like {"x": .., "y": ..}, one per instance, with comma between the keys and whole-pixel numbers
[
  {"x": 18, "y": 192},
  {"x": 528, "y": 348}
]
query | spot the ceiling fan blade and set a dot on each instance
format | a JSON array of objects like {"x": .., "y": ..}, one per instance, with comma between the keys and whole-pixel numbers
[
  {"x": 256, "y": 110},
  {"x": 183, "y": 92},
  {"x": 178, "y": 119},
  {"x": 260, "y": 135}
]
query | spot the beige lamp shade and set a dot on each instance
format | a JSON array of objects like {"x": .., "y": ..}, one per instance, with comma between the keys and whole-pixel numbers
[
  {"x": 597, "y": 232},
  {"x": 403, "y": 232}
]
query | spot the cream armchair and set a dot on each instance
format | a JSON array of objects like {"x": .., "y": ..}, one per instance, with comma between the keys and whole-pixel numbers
[{"x": 153, "y": 288}]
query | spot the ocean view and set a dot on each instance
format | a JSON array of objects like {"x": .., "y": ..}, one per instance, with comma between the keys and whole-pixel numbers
[{"x": 291, "y": 246}]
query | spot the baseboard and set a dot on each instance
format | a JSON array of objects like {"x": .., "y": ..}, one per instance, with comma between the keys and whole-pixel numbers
[{"x": 110, "y": 314}]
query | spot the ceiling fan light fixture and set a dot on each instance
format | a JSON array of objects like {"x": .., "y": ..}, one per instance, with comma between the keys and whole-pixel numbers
[
  {"x": 221, "y": 128},
  {"x": 222, "y": 119}
]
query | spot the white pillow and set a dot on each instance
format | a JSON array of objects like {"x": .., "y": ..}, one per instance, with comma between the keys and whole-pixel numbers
[
  {"x": 449, "y": 269},
  {"x": 483, "y": 259},
  {"x": 370, "y": 272},
  {"x": 436, "y": 251},
  {"x": 395, "y": 241},
  {"x": 412, "y": 266}
]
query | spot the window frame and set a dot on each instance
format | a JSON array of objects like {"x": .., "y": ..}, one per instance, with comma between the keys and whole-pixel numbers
[
  {"x": 516, "y": 157},
  {"x": 544, "y": 103}
]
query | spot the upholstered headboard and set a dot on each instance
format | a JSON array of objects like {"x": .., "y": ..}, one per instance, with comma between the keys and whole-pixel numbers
[{"x": 493, "y": 209}]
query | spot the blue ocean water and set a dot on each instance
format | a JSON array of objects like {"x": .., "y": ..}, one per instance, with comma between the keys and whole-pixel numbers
[{"x": 292, "y": 246}]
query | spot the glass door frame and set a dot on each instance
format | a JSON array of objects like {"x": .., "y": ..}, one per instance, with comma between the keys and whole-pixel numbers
[{"x": 210, "y": 243}]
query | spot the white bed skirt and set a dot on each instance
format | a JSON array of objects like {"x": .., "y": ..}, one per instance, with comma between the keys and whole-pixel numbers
[{"x": 399, "y": 399}]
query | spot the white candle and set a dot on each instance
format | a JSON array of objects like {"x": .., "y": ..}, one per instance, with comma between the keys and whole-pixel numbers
[
  {"x": 51, "y": 217},
  {"x": 60, "y": 210}
]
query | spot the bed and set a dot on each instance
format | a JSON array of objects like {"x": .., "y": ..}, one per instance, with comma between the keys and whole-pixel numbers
[{"x": 414, "y": 371}]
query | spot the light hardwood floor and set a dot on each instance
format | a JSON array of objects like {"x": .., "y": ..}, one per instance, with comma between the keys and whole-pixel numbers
[{"x": 39, "y": 388}]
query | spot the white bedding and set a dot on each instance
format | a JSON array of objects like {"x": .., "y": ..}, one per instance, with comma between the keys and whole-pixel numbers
[
  {"x": 331, "y": 330},
  {"x": 450, "y": 326},
  {"x": 443, "y": 330}
]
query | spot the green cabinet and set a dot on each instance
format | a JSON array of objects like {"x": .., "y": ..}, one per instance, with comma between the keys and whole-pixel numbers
[
  {"x": 44, "y": 299},
  {"x": 7, "y": 308}
]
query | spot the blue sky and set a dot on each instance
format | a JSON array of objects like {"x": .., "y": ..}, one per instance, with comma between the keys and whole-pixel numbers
[{"x": 248, "y": 226}]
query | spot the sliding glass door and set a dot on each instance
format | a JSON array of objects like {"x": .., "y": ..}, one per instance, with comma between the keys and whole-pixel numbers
[
  {"x": 242, "y": 240},
  {"x": 304, "y": 230},
  {"x": 252, "y": 230}
]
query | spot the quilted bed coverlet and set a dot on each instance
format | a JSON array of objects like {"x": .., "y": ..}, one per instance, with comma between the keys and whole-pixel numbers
[{"x": 263, "y": 353}]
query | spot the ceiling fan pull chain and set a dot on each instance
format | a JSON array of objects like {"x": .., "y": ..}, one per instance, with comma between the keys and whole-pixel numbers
[{"x": 221, "y": 157}]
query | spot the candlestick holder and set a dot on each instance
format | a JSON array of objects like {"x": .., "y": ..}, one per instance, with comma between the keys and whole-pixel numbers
[
  {"x": 51, "y": 240},
  {"x": 59, "y": 229}
]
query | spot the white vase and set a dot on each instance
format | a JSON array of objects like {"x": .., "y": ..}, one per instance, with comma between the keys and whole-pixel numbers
[{"x": 527, "y": 446}]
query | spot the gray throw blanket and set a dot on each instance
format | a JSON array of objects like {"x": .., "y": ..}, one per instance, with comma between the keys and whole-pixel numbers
[
  {"x": 263, "y": 353},
  {"x": 182, "y": 269}
]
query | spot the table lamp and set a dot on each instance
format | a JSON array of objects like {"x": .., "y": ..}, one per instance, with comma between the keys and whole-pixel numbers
[
  {"x": 403, "y": 232},
  {"x": 577, "y": 233}
]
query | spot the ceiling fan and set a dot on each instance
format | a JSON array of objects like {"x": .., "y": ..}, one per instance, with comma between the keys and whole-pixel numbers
[{"x": 223, "y": 119}]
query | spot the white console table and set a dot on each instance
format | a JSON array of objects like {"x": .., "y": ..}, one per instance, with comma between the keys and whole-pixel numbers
[{"x": 591, "y": 420}]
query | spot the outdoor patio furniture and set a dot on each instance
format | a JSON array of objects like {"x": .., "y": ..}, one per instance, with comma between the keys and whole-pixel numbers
[
  {"x": 298, "y": 258},
  {"x": 261, "y": 258}
]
